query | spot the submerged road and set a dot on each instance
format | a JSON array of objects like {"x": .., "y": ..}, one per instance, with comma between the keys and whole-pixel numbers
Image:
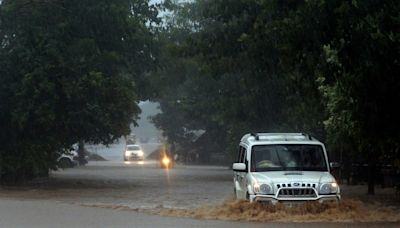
[
  {"x": 52, "y": 214},
  {"x": 98, "y": 194}
]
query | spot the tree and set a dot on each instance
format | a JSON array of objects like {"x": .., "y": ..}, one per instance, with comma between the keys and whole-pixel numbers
[
  {"x": 329, "y": 68},
  {"x": 361, "y": 81},
  {"x": 70, "y": 71},
  {"x": 250, "y": 76}
]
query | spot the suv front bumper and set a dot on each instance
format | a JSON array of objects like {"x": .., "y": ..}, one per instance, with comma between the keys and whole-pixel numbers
[
  {"x": 273, "y": 199},
  {"x": 133, "y": 157}
]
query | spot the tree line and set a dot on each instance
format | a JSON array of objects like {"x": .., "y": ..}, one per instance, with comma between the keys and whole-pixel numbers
[
  {"x": 328, "y": 68},
  {"x": 70, "y": 71}
]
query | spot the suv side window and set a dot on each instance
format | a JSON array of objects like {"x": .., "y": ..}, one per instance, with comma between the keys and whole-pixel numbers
[
  {"x": 239, "y": 155},
  {"x": 242, "y": 154}
]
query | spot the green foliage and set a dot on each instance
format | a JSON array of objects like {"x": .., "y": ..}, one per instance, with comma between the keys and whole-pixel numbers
[
  {"x": 246, "y": 77},
  {"x": 329, "y": 68},
  {"x": 70, "y": 71},
  {"x": 360, "y": 79}
]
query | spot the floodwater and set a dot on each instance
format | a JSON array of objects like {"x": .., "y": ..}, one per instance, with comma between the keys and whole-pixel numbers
[
  {"x": 133, "y": 184},
  {"x": 345, "y": 211},
  {"x": 201, "y": 192}
]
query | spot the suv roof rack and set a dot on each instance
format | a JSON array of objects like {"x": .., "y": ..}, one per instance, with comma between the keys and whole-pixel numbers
[
  {"x": 255, "y": 135},
  {"x": 280, "y": 136},
  {"x": 307, "y": 135}
]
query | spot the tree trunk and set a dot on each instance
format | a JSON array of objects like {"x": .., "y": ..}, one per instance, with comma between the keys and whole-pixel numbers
[
  {"x": 371, "y": 175},
  {"x": 81, "y": 153}
]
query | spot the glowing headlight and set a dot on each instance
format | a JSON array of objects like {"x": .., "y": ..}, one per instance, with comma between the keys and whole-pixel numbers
[
  {"x": 328, "y": 188},
  {"x": 127, "y": 153},
  {"x": 140, "y": 153},
  {"x": 334, "y": 187},
  {"x": 262, "y": 188},
  {"x": 166, "y": 161}
]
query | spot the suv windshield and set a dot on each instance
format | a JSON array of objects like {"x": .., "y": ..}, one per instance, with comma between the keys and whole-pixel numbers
[
  {"x": 133, "y": 148},
  {"x": 287, "y": 157}
]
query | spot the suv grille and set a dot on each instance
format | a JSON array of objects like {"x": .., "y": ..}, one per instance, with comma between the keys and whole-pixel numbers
[
  {"x": 296, "y": 190},
  {"x": 297, "y": 193}
]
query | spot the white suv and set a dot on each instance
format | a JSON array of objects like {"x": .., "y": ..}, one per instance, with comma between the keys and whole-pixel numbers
[
  {"x": 283, "y": 167},
  {"x": 133, "y": 152}
]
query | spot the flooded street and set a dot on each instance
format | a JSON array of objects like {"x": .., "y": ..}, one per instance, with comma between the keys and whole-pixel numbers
[
  {"x": 136, "y": 184},
  {"x": 133, "y": 184},
  {"x": 199, "y": 192}
]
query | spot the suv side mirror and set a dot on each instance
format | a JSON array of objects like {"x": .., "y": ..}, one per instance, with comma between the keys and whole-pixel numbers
[
  {"x": 334, "y": 165},
  {"x": 239, "y": 167}
]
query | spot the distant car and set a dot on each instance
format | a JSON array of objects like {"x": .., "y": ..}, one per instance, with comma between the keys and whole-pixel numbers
[
  {"x": 67, "y": 160},
  {"x": 133, "y": 152}
]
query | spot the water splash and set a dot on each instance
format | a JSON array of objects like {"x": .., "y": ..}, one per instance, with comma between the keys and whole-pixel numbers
[{"x": 345, "y": 211}]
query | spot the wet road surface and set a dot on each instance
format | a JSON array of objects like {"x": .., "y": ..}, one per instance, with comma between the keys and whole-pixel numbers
[
  {"x": 98, "y": 194},
  {"x": 132, "y": 184},
  {"x": 52, "y": 214}
]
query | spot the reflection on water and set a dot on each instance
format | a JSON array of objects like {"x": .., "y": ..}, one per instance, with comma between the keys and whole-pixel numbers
[{"x": 135, "y": 162}]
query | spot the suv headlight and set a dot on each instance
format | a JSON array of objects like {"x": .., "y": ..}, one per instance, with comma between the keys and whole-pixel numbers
[
  {"x": 328, "y": 188},
  {"x": 264, "y": 189}
]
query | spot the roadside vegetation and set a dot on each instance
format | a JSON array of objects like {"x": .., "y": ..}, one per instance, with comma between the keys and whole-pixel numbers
[{"x": 328, "y": 68}]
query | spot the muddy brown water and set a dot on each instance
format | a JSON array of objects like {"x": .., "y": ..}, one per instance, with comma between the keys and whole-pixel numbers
[
  {"x": 345, "y": 211},
  {"x": 195, "y": 192}
]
